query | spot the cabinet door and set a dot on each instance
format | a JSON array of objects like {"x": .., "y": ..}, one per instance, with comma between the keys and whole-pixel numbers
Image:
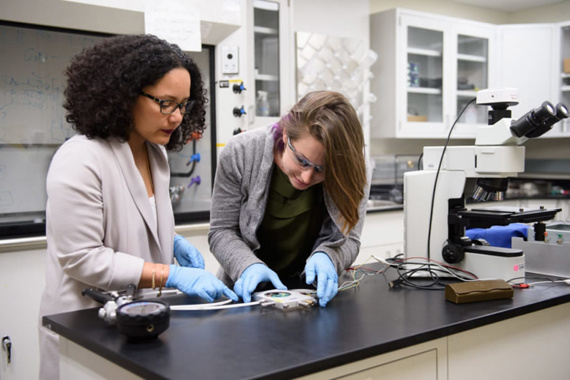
[
  {"x": 474, "y": 52},
  {"x": 271, "y": 61},
  {"x": 422, "y": 62},
  {"x": 563, "y": 127},
  {"x": 439, "y": 65},
  {"x": 422, "y": 361},
  {"x": 533, "y": 73},
  {"x": 530, "y": 346}
]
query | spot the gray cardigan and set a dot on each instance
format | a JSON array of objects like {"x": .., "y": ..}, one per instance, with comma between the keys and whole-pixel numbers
[{"x": 238, "y": 205}]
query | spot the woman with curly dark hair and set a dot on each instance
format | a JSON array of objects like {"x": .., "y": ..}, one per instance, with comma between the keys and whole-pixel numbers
[{"x": 109, "y": 220}]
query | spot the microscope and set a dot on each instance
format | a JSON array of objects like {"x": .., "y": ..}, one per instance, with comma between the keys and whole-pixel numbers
[{"x": 435, "y": 216}]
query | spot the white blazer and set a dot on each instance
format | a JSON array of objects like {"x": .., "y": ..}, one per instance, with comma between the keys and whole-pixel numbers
[{"x": 99, "y": 224}]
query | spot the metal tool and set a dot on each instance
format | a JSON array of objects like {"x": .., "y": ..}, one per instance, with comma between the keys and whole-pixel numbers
[
  {"x": 111, "y": 301},
  {"x": 138, "y": 320}
]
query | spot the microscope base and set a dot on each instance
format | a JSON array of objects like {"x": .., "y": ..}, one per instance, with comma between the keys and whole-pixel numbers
[{"x": 494, "y": 267}]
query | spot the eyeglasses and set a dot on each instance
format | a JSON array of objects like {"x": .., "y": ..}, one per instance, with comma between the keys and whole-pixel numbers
[
  {"x": 167, "y": 107},
  {"x": 302, "y": 161}
]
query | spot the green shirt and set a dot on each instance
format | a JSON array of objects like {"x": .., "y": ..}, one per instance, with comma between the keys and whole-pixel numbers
[{"x": 290, "y": 226}]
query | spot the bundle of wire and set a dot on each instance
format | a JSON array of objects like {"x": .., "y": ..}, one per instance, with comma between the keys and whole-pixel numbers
[
  {"x": 416, "y": 272},
  {"x": 360, "y": 271},
  {"x": 424, "y": 273}
]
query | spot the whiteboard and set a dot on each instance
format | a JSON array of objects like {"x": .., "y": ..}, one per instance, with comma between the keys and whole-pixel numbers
[{"x": 32, "y": 62}]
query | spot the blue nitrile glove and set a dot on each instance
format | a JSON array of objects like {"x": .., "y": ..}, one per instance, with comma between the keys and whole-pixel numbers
[
  {"x": 327, "y": 278},
  {"x": 198, "y": 282},
  {"x": 499, "y": 236},
  {"x": 186, "y": 254},
  {"x": 252, "y": 276}
]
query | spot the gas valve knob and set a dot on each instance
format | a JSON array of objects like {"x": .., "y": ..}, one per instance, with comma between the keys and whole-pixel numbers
[
  {"x": 238, "y": 88},
  {"x": 239, "y": 111}
]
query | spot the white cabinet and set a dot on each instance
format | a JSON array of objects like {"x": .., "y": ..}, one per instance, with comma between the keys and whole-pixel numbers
[
  {"x": 22, "y": 280},
  {"x": 530, "y": 346},
  {"x": 535, "y": 74},
  {"x": 382, "y": 236},
  {"x": 564, "y": 80},
  {"x": 270, "y": 52},
  {"x": 430, "y": 67},
  {"x": 423, "y": 361}
]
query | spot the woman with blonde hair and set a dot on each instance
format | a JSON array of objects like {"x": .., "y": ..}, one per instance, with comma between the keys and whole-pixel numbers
[{"x": 290, "y": 199}]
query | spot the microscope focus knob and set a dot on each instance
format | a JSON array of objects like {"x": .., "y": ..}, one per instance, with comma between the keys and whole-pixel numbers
[{"x": 453, "y": 253}]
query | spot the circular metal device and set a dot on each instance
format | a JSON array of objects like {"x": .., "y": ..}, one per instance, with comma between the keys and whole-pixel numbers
[{"x": 143, "y": 320}]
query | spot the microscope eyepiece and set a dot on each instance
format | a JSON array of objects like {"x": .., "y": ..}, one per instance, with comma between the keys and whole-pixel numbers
[
  {"x": 540, "y": 120},
  {"x": 561, "y": 111},
  {"x": 535, "y": 122}
]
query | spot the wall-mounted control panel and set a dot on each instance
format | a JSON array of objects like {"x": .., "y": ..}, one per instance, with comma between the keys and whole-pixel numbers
[{"x": 230, "y": 61}]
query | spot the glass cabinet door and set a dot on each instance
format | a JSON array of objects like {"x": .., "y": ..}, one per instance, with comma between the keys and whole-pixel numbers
[
  {"x": 266, "y": 48},
  {"x": 565, "y": 85},
  {"x": 472, "y": 75},
  {"x": 425, "y": 79}
]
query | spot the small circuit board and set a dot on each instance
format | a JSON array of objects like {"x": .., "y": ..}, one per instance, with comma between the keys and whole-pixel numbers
[{"x": 287, "y": 299}]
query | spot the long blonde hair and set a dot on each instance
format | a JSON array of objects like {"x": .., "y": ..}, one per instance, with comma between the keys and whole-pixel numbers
[{"x": 330, "y": 118}]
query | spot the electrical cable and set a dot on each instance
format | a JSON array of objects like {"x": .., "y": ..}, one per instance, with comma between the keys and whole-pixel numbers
[
  {"x": 437, "y": 174},
  {"x": 546, "y": 281},
  {"x": 405, "y": 275},
  {"x": 224, "y": 304},
  {"x": 433, "y": 269},
  {"x": 216, "y": 306},
  {"x": 420, "y": 163},
  {"x": 364, "y": 272}
]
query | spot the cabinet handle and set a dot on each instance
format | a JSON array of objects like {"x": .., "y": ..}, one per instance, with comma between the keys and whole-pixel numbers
[{"x": 7, "y": 346}]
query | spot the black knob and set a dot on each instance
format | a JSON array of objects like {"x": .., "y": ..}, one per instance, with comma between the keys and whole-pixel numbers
[
  {"x": 453, "y": 253},
  {"x": 239, "y": 111},
  {"x": 238, "y": 88}
]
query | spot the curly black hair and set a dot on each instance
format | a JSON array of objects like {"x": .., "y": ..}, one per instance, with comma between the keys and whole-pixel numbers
[{"x": 104, "y": 81}]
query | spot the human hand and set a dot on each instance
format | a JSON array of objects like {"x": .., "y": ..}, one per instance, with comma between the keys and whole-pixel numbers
[
  {"x": 322, "y": 266},
  {"x": 252, "y": 276},
  {"x": 186, "y": 254},
  {"x": 198, "y": 282}
]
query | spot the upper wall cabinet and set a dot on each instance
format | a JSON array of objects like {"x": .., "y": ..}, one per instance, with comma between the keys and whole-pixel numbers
[
  {"x": 538, "y": 75},
  {"x": 269, "y": 44},
  {"x": 563, "y": 69},
  {"x": 533, "y": 74},
  {"x": 429, "y": 68}
]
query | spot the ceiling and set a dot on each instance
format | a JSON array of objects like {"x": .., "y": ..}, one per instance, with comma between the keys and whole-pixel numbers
[{"x": 510, "y": 5}]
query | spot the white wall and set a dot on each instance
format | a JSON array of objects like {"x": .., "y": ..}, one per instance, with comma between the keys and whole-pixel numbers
[
  {"x": 443, "y": 7},
  {"x": 548, "y": 13},
  {"x": 338, "y": 18}
]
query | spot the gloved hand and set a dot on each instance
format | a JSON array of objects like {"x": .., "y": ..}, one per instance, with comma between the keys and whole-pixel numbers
[
  {"x": 186, "y": 254},
  {"x": 252, "y": 276},
  {"x": 327, "y": 278},
  {"x": 198, "y": 282},
  {"x": 499, "y": 236}
]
